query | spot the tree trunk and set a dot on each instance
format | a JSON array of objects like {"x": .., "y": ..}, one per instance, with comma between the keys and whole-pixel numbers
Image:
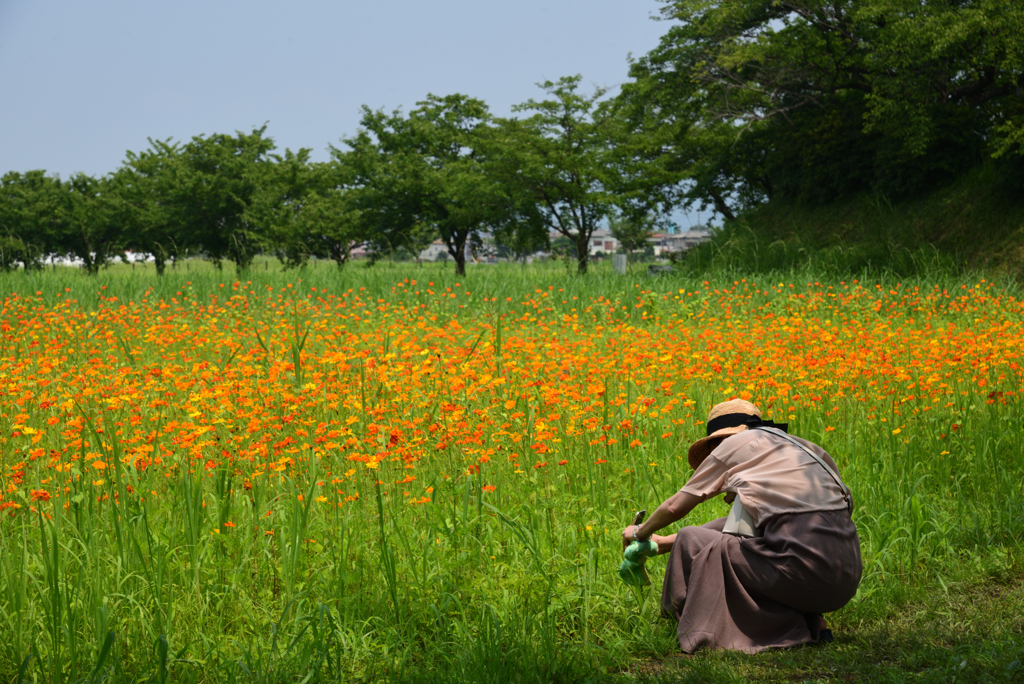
[
  {"x": 456, "y": 244},
  {"x": 582, "y": 254},
  {"x": 339, "y": 254}
]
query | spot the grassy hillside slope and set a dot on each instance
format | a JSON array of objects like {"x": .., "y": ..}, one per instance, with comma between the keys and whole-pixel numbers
[{"x": 975, "y": 223}]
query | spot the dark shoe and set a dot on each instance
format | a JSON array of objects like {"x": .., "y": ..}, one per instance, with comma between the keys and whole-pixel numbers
[{"x": 825, "y": 637}]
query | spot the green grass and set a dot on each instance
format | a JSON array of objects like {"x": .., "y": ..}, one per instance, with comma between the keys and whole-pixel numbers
[
  {"x": 973, "y": 223},
  {"x": 514, "y": 586}
]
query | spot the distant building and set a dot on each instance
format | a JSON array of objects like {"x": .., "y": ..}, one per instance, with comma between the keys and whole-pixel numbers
[
  {"x": 665, "y": 243},
  {"x": 434, "y": 251},
  {"x": 603, "y": 242}
]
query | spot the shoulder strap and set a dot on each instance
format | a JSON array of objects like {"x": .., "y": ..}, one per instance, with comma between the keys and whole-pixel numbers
[{"x": 847, "y": 495}]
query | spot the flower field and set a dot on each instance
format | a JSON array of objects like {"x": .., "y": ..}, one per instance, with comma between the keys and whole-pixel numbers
[{"x": 401, "y": 474}]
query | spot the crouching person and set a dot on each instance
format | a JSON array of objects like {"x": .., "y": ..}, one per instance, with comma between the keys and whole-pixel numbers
[{"x": 789, "y": 552}]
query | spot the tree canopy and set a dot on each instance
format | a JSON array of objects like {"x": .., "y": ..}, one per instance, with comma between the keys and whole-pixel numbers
[
  {"x": 814, "y": 100},
  {"x": 426, "y": 173},
  {"x": 564, "y": 158}
]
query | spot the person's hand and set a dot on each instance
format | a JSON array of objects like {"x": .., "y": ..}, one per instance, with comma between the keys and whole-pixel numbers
[{"x": 627, "y": 536}]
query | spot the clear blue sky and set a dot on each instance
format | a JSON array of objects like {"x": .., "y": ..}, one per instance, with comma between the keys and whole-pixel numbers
[{"x": 85, "y": 81}]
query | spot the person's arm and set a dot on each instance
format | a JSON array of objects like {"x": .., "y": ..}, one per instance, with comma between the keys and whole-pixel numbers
[
  {"x": 665, "y": 544},
  {"x": 672, "y": 509}
]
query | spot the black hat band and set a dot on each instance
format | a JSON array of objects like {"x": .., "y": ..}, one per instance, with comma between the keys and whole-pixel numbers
[{"x": 736, "y": 419}]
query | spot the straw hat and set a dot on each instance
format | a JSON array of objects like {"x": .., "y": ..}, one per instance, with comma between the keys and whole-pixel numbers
[{"x": 733, "y": 417}]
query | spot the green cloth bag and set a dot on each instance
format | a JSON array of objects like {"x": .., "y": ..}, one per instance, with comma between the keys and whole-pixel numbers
[{"x": 632, "y": 570}]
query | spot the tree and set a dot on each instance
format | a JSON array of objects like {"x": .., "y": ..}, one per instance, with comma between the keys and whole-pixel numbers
[
  {"x": 425, "y": 175},
  {"x": 43, "y": 216},
  {"x": 632, "y": 233},
  {"x": 307, "y": 212},
  {"x": 220, "y": 176},
  {"x": 28, "y": 214},
  {"x": 815, "y": 99},
  {"x": 88, "y": 223},
  {"x": 283, "y": 191},
  {"x": 564, "y": 159},
  {"x": 196, "y": 196},
  {"x": 147, "y": 188}
]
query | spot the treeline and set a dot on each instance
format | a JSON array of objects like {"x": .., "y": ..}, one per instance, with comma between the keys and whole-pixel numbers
[
  {"x": 448, "y": 169},
  {"x": 743, "y": 102}
]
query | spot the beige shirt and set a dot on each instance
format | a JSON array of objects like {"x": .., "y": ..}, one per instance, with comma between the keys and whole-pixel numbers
[{"x": 769, "y": 475}]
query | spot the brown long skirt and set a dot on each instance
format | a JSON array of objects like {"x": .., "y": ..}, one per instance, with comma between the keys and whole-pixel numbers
[{"x": 750, "y": 594}]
